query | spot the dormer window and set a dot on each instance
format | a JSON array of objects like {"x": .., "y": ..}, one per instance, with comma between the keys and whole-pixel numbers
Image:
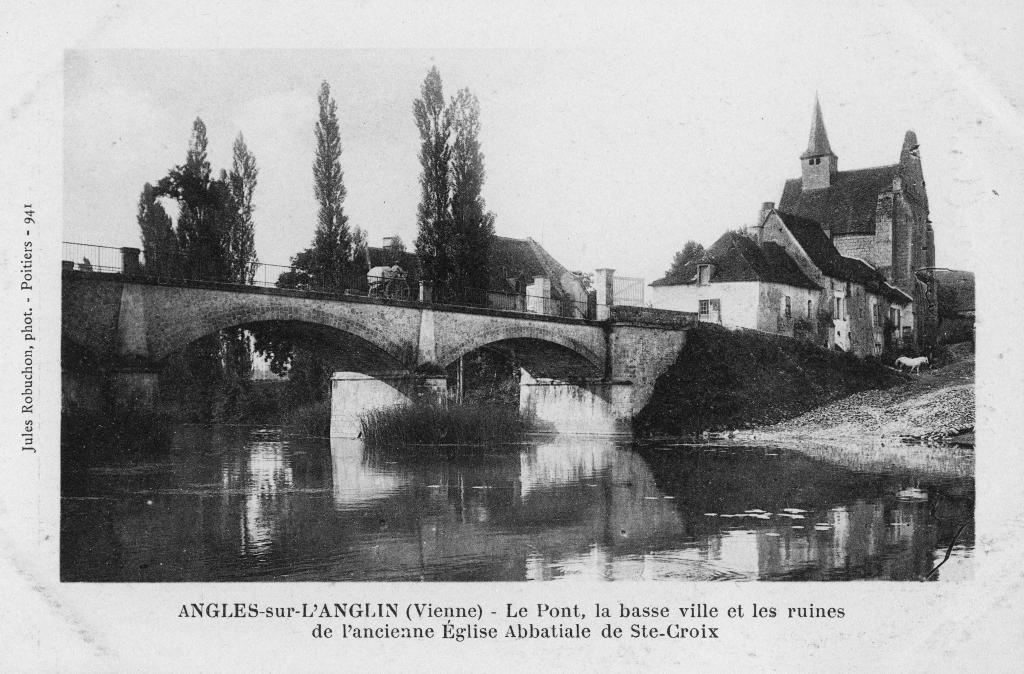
[{"x": 703, "y": 274}]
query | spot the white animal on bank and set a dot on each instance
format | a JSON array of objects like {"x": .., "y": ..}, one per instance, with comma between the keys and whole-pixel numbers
[{"x": 913, "y": 364}]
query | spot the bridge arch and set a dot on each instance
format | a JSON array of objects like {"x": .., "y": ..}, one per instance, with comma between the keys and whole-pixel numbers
[
  {"x": 165, "y": 340},
  {"x": 544, "y": 352}
]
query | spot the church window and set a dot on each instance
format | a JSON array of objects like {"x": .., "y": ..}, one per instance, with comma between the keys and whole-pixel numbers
[
  {"x": 788, "y": 309},
  {"x": 808, "y": 308}
]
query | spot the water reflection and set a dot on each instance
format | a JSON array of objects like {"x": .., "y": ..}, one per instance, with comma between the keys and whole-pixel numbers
[{"x": 226, "y": 505}]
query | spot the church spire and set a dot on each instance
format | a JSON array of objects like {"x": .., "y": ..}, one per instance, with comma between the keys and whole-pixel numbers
[
  {"x": 819, "y": 164},
  {"x": 817, "y": 144}
]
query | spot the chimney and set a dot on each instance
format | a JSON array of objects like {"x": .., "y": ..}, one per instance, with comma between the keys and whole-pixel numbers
[{"x": 766, "y": 208}]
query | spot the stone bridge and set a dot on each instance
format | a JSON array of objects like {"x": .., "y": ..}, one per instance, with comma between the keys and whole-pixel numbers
[{"x": 123, "y": 328}]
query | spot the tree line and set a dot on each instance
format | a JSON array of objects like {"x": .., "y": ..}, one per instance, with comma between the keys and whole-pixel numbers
[{"x": 213, "y": 236}]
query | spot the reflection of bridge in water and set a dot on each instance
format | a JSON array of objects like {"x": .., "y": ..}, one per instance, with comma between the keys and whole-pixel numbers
[
  {"x": 569, "y": 507},
  {"x": 119, "y": 331},
  {"x": 575, "y": 507}
]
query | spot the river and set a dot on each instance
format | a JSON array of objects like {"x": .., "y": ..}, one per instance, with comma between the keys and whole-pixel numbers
[{"x": 237, "y": 503}]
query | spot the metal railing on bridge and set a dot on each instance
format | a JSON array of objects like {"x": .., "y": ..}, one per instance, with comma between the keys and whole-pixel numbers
[
  {"x": 131, "y": 261},
  {"x": 629, "y": 291}
]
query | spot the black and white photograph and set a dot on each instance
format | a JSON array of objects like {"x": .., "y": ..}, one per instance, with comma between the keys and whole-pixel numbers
[
  {"x": 673, "y": 306},
  {"x": 349, "y": 335}
]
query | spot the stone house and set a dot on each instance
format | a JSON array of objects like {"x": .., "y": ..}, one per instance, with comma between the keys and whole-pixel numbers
[
  {"x": 857, "y": 309},
  {"x": 878, "y": 215},
  {"x": 786, "y": 277},
  {"x": 740, "y": 284},
  {"x": 522, "y": 276}
]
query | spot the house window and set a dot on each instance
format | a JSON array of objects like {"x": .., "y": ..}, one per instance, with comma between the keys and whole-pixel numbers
[
  {"x": 788, "y": 309},
  {"x": 704, "y": 308},
  {"x": 703, "y": 274}
]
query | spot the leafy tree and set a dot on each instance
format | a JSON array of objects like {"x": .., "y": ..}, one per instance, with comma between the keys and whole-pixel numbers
[
  {"x": 472, "y": 225},
  {"x": 159, "y": 242},
  {"x": 691, "y": 252},
  {"x": 359, "y": 263},
  {"x": 433, "y": 215},
  {"x": 949, "y": 299},
  {"x": 206, "y": 212},
  {"x": 213, "y": 241}
]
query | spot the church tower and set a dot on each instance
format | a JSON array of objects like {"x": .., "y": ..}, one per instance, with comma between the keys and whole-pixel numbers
[{"x": 818, "y": 164}]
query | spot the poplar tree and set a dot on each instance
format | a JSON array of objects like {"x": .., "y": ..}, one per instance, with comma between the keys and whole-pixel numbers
[
  {"x": 472, "y": 224},
  {"x": 332, "y": 242},
  {"x": 433, "y": 215},
  {"x": 455, "y": 228},
  {"x": 241, "y": 241}
]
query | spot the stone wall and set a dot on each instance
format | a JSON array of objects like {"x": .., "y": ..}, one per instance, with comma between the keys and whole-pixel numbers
[
  {"x": 771, "y": 312},
  {"x": 640, "y": 355}
]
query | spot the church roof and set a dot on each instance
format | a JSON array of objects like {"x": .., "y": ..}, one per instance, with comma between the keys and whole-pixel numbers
[
  {"x": 845, "y": 207},
  {"x": 738, "y": 258},
  {"x": 817, "y": 143}
]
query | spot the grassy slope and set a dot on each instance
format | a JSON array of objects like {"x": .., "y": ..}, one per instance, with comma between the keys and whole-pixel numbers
[{"x": 737, "y": 378}]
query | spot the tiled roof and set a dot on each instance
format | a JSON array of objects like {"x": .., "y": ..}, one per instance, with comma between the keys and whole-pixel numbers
[
  {"x": 513, "y": 264},
  {"x": 845, "y": 207},
  {"x": 738, "y": 258},
  {"x": 824, "y": 256}
]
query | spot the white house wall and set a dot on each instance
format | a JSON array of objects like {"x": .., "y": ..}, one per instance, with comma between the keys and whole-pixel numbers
[{"x": 739, "y": 301}]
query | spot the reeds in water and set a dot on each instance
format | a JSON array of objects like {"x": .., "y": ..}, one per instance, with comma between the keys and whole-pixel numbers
[{"x": 443, "y": 424}]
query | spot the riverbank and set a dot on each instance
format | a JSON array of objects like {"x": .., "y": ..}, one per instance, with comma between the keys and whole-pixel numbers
[
  {"x": 740, "y": 379},
  {"x": 936, "y": 405}
]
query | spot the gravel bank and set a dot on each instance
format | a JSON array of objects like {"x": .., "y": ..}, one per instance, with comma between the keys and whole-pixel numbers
[{"x": 936, "y": 404}]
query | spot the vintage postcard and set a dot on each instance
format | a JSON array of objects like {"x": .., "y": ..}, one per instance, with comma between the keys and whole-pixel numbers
[{"x": 580, "y": 339}]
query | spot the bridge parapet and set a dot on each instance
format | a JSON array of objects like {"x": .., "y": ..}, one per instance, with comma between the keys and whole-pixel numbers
[{"x": 647, "y": 316}]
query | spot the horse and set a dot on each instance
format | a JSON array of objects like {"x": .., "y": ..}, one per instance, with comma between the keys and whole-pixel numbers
[{"x": 913, "y": 364}]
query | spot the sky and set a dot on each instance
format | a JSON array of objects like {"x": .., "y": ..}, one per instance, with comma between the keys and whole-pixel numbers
[{"x": 610, "y": 155}]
